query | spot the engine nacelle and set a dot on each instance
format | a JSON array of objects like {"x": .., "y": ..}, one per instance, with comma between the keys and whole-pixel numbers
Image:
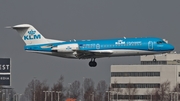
[{"x": 66, "y": 48}]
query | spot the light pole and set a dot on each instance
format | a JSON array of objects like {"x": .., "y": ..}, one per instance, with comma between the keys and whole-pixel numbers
[
  {"x": 108, "y": 95},
  {"x": 151, "y": 97},
  {"x": 58, "y": 92},
  {"x": 9, "y": 96},
  {"x": 14, "y": 96},
  {"x": 20, "y": 97},
  {"x": 51, "y": 95},
  {"x": 2, "y": 96},
  {"x": 177, "y": 96},
  {"x": 117, "y": 95},
  {"x": 174, "y": 95},
  {"x": 17, "y": 97},
  {"x": 45, "y": 95}
]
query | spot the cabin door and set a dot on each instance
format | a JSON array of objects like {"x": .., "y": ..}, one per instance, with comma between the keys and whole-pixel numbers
[{"x": 150, "y": 45}]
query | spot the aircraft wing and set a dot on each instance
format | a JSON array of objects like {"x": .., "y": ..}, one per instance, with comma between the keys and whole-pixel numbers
[{"x": 85, "y": 54}]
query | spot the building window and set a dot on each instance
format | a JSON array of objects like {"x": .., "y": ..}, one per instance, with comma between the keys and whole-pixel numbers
[
  {"x": 153, "y": 63},
  {"x": 136, "y": 85},
  {"x": 135, "y": 74},
  {"x": 135, "y": 97}
]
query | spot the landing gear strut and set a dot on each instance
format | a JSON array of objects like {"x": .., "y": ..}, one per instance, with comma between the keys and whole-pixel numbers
[{"x": 92, "y": 63}]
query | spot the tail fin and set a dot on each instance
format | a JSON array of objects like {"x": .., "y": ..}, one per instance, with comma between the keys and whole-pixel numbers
[{"x": 29, "y": 34}]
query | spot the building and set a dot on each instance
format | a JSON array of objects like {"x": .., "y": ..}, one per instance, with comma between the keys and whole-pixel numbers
[
  {"x": 164, "y": 59},
  {"x": 142, "y": 80}
]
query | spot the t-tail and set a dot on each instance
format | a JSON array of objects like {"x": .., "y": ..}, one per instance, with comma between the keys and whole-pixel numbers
[{"x": 31, "y": 36}]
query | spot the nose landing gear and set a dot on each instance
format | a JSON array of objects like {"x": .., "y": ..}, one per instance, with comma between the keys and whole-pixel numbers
[{"x": 92, "y": 63}]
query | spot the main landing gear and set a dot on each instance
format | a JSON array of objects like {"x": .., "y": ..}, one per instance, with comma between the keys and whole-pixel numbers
[{"x": 92, "y": 63}]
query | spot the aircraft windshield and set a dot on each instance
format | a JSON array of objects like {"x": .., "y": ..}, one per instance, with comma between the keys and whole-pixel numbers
[{"x": 161, "y": 42}]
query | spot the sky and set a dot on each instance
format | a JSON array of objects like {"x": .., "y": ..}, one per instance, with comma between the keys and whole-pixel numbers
[{"x": 81, "y": 19}]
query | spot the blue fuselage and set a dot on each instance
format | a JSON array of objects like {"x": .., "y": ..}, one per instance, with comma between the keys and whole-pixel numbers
[{"x": 117, "y": 47}]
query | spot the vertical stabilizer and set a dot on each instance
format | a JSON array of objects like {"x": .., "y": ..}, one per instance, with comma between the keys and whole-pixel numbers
[{"x": 29, "y": 34}]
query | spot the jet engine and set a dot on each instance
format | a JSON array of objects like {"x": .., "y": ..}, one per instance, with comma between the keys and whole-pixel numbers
[{"x": 66, "y": 48}]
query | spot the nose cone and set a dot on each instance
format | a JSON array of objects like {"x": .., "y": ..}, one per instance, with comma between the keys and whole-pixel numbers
[{"x": 170, "y": 47}]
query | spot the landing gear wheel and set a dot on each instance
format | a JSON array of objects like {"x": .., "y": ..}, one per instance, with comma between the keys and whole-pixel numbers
[
  {"x": 90, "y": 63},
  {"x": 93, "y": 63},
  {"x": 154, "y": 60}
]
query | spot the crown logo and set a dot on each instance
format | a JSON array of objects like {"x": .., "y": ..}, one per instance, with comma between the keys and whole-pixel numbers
[
  {"x": 31, "y": 32},
  {"x": 68, "y": 48}
]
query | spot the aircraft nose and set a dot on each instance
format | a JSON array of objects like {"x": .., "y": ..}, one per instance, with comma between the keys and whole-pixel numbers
[{"x": 170, "y": 47}]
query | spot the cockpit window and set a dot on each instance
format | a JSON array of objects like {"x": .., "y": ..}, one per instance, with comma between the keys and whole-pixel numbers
[
  {"x": 163, "y": 41},
  {"x": 160, "y": 42}
]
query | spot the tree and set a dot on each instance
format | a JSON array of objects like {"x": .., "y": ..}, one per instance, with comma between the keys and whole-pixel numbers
[
  {"x": 174, "y": 92},
  {"x": 59, "y": 87},
  {"x": 101, "y": 90},
  {"x": 149, "y": 94},
  {"x": 36, "y": 87},
  {"x": 130, "y": 91},
  {"x": 116, "y": 90},
  {"x": 107, "y": 94},
  {"x": 162, "y": 93},
  {"x": 89, "y": 89},
  {"x": 156, "y": 95},
  {"x": 75, "y": 90}
]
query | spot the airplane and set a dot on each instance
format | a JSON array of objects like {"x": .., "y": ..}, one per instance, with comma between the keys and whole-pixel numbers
[{"x": 91, "y": 49}]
